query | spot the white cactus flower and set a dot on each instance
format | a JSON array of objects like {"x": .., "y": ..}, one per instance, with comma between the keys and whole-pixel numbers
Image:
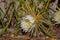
[
  {"x": 27, "y": 23},
  {"x": 57, "y": 17}
]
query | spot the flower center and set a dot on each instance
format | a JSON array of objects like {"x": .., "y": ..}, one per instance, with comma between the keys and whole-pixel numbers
[{"x": 28, "y": 24}]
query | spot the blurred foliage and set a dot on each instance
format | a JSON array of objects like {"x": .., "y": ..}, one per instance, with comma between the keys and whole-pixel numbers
[{"x": 28, "y": 7}]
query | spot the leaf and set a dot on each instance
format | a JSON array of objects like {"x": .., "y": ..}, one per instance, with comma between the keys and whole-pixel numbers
[
  {"x": 17, "y": 27},
  {"x": 11, "y": 14},
  {"x": 21, "y": 2},
  {"x": 45, "y": 1},
  {"x": 1, "y": 15}
]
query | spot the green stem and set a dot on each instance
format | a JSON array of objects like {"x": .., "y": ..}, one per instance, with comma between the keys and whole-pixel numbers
[
  {"x": 45, "y": 8},
  {"x": 5, "y": 27},
  {"x": 45, "y": 32}
]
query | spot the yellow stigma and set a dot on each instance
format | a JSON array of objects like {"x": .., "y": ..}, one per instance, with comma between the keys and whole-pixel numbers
[{"x": 28, "y": 24}]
